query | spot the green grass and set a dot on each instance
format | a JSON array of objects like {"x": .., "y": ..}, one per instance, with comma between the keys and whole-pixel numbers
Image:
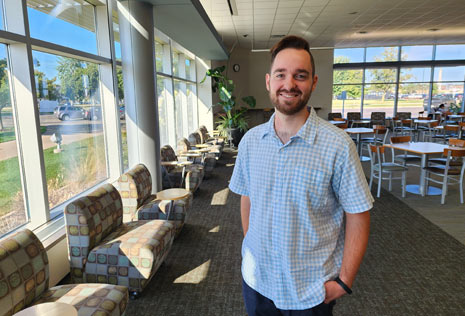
[
  {"x": 355, "y": 104},
  {"x": 57, "y": 166},
  {"x": 8, "y": 134}
]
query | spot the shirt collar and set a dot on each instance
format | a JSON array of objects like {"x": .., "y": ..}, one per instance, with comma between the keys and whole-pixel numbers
[{"x": 307, "y": 132}]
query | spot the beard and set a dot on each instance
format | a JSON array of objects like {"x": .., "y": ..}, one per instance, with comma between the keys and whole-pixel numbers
[{"x": 288, "y": 107}]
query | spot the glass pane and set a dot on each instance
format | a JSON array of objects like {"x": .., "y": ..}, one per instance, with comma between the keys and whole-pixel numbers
[
  {"x": 348, "y": 55},
  {"x": 115, "y": 20},
  {"x": 191, "y": 107},
  {"x": 175, "y": 63},
  {"x": 415, "y": 74},
  {"x": 55, "y": 22},
  {"x": 447, "y": 93},
  {"x": 12, "y": 211},
  {"x": 379, "y": 98},
  {"x": 122, "y": 117},
  {"x": 352, "y": 101},
  {"x": 413, "y": 97},
  {"x": 2, "y": 25},
  {"x": 162, "y": 57},
  {"x": 164, "y": 99},
  {"x": 381, "y": 75},
  {"x": 447, "y": 52},
  {"x": 456, "y": 73},
  {"x": 375, "y": 54},
  {"x": 190, "y": 69},
  {"x": 348, "y": 76},
  {"x": 423, "y": 52},
  {"x": 179, "y": 108},
  {"x": 74, "y": 147}
]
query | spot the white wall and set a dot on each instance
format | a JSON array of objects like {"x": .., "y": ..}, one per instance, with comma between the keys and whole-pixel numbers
[{"x": 250, "y": 80}]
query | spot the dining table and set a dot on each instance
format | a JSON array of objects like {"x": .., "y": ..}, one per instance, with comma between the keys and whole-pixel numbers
[
  {"x": 424, "y": 149},
  {"x": 359, "y": 131}
]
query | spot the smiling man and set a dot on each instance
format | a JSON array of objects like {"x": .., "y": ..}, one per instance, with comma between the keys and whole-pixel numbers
[{"x": 304, "y": 198}]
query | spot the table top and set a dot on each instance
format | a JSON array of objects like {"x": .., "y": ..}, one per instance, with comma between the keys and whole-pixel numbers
[
  {"x": 49, "y": 309},
  {"x": 336, "y": 122},
  {"x": 176, "y": 163},
  {"x": 191, "y": 154},
  {"x": 201, "y": 150},
  {"x": 456, "y": 116},
  {"x": 172, "y": 194},
  {"x": 359, "y": 130},
  {"x": 361, "y": 121},
  {"x": 420, "y": 147},
  {"x": 202, "y": 145},
  {"x": 424, "y": 121}
]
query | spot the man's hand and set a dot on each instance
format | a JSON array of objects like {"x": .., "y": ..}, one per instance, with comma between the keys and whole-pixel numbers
[{"x": 333, "y": 291}]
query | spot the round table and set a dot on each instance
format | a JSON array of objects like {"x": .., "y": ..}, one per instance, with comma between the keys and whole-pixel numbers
[
  {"x": 49, "y": 309},
  {"x": 172, "y": 195},
  {"x": 176, "y": 163},
  {"x": 202, "y": 145}
]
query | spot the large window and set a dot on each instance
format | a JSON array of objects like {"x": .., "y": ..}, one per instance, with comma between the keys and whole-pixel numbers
[
  {"x": 12, "y": 210},
  {"x": 74, "y": 148},
  {"x": 405, "y": 85}
]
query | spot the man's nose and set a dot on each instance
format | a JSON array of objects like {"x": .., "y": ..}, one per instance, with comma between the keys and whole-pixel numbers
[{"x": 289, "y": 83}]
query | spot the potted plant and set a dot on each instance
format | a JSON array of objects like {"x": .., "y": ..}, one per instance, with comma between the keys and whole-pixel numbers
[{"x": 232, "y": 122}]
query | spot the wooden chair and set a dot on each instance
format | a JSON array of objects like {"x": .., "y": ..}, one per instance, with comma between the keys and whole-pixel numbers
[
  {"x": 453, "y": 142},
  {"x": 450, "y": 173},
  {"x": 332, "y": 116},
  {"x": 405, "y": 159},
  {"x": 379, "y": 166}
]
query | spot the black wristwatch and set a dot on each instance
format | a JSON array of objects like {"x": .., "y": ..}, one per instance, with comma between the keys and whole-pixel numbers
[{"x": 343, "y": 285}]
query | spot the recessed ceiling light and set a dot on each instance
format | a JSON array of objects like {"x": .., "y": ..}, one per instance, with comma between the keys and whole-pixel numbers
[
  {"x": 355, "y": 12},
  {"x": 277, "y": 35},
  {"x": 362, "y": 32},
  {"x": 433, "y": 30}
]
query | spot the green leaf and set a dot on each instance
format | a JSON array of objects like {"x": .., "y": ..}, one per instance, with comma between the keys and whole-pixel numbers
[{"x": 250, "y": 101}]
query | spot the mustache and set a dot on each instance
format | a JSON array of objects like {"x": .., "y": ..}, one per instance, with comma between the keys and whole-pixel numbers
[{"x": 293, "y": 90}]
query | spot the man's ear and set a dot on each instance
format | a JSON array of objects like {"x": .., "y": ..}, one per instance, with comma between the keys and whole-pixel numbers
[
  {"x": 267, "y": 80},
  {"x": 315, "y": 80}
]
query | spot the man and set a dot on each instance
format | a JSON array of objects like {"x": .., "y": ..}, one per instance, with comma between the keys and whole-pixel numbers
[{"x": 304, "y": 198}]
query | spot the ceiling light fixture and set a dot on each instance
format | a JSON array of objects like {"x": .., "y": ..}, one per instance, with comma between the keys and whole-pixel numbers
[
  {"x": 355, "y": 12},
  {"x": 362, "y": 32},
  {"x": 433, "y": 30},
  {"x": 277, "y": 35}
]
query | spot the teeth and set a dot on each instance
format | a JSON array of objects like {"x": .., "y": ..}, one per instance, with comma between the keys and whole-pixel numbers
[{"x": 289, "y": 95}]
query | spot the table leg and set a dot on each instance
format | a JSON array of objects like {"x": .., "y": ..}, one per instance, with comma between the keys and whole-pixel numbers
[
  {"x": 422, "y": 174},
  {"x": 182, "y": 175},
  {"x": 169, "y": 210},
  {"x": 421, "y": 188}
]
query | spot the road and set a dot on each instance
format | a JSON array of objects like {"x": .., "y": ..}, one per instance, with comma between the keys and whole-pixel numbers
[{"x": 71, "y": 131}]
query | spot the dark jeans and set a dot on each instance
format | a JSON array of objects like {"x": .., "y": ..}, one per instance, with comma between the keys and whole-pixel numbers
[{"x": 258, "y": 305}]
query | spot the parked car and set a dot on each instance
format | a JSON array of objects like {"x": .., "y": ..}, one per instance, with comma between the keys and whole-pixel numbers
[
  {"x": 70, "y": 112},
  {"x": 436, "y": 101},
  {"x": 93, "y": 113},
  {"x": 122, "y": 112}
]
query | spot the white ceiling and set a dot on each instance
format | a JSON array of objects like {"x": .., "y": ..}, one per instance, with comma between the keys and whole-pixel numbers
[{"x": 336, "y": 23}]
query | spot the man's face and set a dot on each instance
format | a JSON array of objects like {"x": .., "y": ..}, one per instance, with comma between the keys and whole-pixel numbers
[{"x": 290, "y": 82}]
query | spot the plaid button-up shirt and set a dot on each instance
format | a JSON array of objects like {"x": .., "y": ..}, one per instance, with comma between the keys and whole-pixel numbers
[{"x": 299, "y": 192}]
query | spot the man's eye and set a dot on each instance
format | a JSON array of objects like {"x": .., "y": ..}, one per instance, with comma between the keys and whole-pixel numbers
[
  {"x": 279, "y": 76},
  {"x": 301, "y": 76}
]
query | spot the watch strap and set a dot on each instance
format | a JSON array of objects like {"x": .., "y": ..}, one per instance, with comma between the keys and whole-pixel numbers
[{"x": 343, "y": 285}]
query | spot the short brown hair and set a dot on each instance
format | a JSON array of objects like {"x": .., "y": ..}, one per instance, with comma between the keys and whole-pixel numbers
[{"x": 292, "y": 41}]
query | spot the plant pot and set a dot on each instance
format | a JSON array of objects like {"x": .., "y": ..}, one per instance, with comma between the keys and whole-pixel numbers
[{"x": 236, "y": 136}]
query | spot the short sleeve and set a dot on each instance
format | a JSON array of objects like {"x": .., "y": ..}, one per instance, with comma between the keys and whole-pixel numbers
[
  {"x": 349, "y": 183},
  {"x": 239, "y": 183}
]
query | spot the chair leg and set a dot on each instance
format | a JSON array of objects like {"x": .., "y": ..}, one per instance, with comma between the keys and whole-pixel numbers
[
  {"x": 461, "y": 191},
  {"x": 379, "y": 184},
  {"x": 390, "y": 181},
  {"x": 444, "y": 190},
  {"x": 404, "y": 182}
]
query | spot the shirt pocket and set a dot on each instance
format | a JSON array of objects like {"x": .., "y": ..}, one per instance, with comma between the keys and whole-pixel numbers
[{"x": 312, "y": 186}]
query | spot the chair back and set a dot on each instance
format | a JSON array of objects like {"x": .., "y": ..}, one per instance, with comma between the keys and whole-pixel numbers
[
  {"x": 343, "y": 126},
  {"x": 378, "y": 118},
  {"x": 88, "y": 221},
  {"x": 203, "y": 134},
  {"x": 24, "y": 271},
  {"x": 333, "y": 115},
  {"x": 404, "y": 115},
  {"x": 183, "y": 145},
  {"x": 452, "y": 128},
  {"x": 339, "y": 119},
  {"x": 194, "y": 138},
  {"x": 134, "y": 186},
  {"x": 423, "y": 118},
  {"x": 451, "y": 152},
  {"x": 456, "y": 142},
  {"x": 407, "y": 123},
  {"x": 400, "y": 139},
  {"x": 354, "y": 116}
]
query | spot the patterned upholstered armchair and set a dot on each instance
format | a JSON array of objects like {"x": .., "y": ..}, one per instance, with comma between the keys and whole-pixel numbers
[
  {"x": 24, "y": 282},
  {"x": 208, "y": 161},
  {"x": 172, "y": 175},
  {"x": 207, "y": 138},
  {"x": 378, "y": 118},
  {"x": 102, "y": 249},
  {"x": 135, "y": 188}
]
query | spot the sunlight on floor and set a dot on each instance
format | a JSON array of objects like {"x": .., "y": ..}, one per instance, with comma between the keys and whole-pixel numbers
[
  {"x": 195, "y": 276},
  {"x": 214, "y": 229},
  {"x": 220, "y": 197}
]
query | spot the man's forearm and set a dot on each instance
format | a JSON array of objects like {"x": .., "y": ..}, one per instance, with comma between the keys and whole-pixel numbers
[
  {"x": 245, "y": 213},
  {"x": 356, "y": 241}
]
